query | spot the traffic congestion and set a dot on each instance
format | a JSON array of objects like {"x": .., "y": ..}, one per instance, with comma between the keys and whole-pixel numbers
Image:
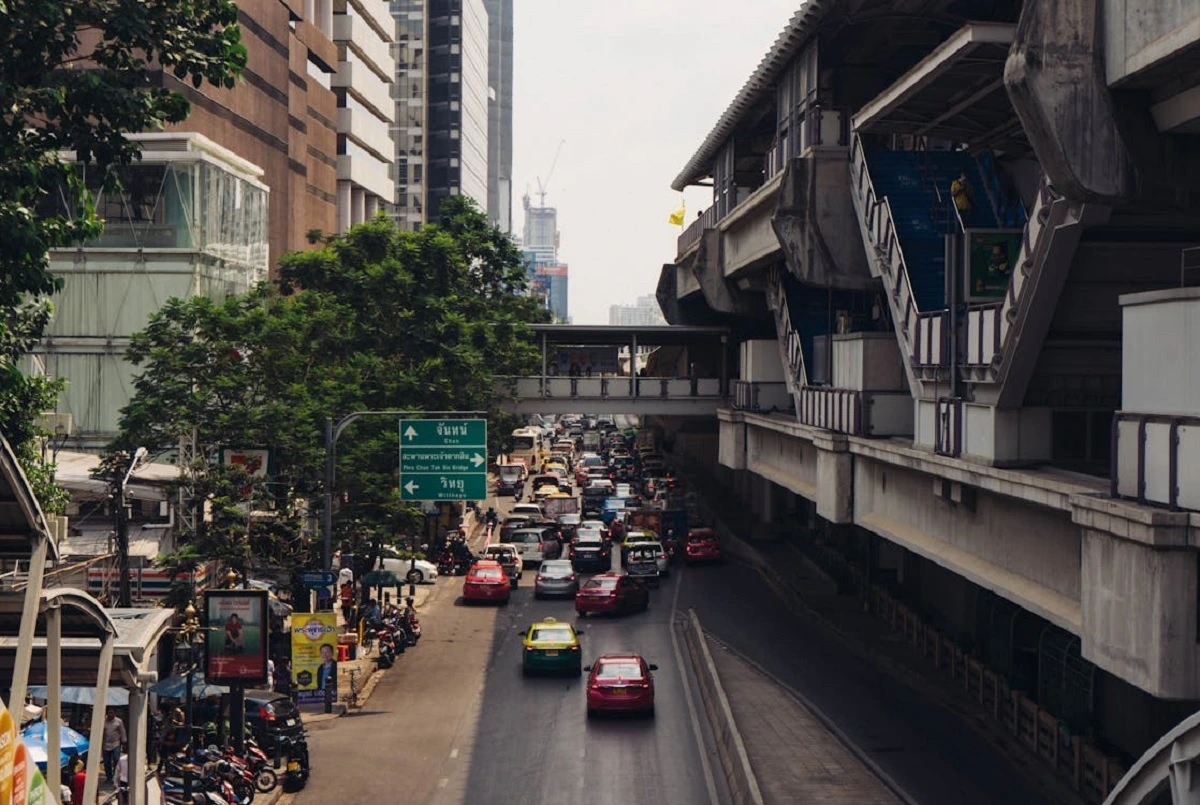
[{"x": 593, "y": 516}]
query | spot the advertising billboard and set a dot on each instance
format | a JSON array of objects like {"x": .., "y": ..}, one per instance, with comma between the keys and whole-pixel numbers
[
  {"x": 990, "y": 259},
  {"x": 551, "y": 271},
  {"x": 236, "y": 642},
  {"x": 314, "y": 657}
]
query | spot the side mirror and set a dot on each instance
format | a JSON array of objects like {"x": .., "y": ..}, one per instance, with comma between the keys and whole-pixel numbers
[
  {"x": 653, "y": 667},
  {"x": 578, "y": 631},
  {"x": 587, "y": 668}
]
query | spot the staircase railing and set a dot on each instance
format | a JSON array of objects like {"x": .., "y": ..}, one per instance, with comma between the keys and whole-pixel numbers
[
  {"x": 878, "y": 224},
  {"x": 789, "y": 339},
  {"x": 989, "y": 325}
]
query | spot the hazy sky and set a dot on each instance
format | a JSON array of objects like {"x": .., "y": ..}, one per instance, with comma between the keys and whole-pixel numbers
[{"x": 633, "y": 87}]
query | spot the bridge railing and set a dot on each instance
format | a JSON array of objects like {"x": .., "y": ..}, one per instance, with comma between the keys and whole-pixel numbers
[{"x": 597, "y": 388}]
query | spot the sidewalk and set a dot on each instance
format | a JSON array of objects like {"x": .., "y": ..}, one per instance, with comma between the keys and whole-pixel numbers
[{"x": 794, "y": 757}]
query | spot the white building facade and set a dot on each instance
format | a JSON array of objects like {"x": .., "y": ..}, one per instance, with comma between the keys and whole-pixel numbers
[{"x": 364, "y": 32}]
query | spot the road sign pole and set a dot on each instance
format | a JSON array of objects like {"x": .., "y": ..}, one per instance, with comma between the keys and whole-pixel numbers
[{"x": 327, "y": 514}]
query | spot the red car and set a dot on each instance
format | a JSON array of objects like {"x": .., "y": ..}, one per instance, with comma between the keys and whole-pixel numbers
[
  {"x": 613, "y": 593},
  {"x": 486, "y": 581},
  {"x": 620, "y": 683},
  {"x": 702, "y": 546}
]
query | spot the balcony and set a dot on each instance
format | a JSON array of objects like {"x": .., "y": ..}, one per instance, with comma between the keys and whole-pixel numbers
[{"x": 691, "y": 236}]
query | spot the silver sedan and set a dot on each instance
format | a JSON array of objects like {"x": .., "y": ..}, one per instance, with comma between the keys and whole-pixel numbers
[{"x": 555, "y": 577}]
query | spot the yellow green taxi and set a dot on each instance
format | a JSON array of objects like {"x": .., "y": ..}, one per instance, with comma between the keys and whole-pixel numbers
[{"x": 551, "y": 645}]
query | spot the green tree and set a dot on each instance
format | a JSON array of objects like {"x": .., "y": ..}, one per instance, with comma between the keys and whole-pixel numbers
[
  {"x": 77, "y": 75},
  {"x": 376, "y": 319}
]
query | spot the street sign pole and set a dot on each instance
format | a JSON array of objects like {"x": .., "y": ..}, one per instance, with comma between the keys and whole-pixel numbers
[{"x": 333, "y": 432}]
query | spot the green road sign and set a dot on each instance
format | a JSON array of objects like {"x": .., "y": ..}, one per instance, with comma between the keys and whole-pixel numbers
[
  {"x": 443, "y": 486},
  {"x": 443, "y": 433},
  {"x": 443, "y": 459}
]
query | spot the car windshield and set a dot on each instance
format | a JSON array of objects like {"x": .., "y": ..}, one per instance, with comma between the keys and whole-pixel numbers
[
  {"x": 509, "y": 475},
  {"x": 527, "y": 537},
  {"x": 488, "y": 573},
  {"x": 499, "y": 554},
  {"x": 620, "y": 670},
  {"x": 552, "y": 634},
  {"x": 601, "y": 584},
  {"x": 556, "y": 570}
]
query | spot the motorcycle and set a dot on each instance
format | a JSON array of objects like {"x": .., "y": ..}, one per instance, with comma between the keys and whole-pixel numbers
[{"x": 295, "y": 775}]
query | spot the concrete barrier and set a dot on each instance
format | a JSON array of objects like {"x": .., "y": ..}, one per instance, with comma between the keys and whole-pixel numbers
[{"x": 743, "y": 785}]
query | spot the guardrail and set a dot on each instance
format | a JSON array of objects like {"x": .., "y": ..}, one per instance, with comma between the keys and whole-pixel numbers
[
  {"x": 611, "y": 387},
  {"x": 1151, "y": 459},
  {"x": 695, "y": 230},
  {"x": 761, "y": 396},
  {"x": 833, "y": 409},
  {"x": 879, "y": 227},
  {"x": 790, "y": 347}
]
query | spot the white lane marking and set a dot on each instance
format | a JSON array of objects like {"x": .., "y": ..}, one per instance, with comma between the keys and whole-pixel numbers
[
  {"x": 454, "y": 752},
  {"x": 709, "y": 782}
]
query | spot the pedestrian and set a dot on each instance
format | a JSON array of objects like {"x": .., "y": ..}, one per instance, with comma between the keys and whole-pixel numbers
[
  {"x": 114, "y": 738},
  {"x": 123, "y": 777},
  {"x": 963, "y": 195},
  {"x": 78, "y": 780},
  {"x": 271, "y": 673},
  {"x": 347, "y": 597}
]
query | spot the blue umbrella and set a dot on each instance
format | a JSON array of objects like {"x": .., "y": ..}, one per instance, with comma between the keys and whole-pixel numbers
[
  {"x": 117, "y": 697},
  {"x": 70, "y": 741},
  {"x": 175, "y": 687},
  {"x": 36, "y": 751}
]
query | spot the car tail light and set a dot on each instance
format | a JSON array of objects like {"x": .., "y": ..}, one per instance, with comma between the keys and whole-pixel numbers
[
  {"x": 574, "y": 648},
  {"x": 266, "y": 713},
  {"x": 529, "y": 648}
]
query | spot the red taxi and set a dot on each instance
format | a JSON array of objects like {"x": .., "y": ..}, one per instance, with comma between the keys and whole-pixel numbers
[
  {"x": 702, "y": 546},
  {"x": 620, "y": 683},
  {"x": 613, "y": 593},
  {"x": 486, "y": 581}
]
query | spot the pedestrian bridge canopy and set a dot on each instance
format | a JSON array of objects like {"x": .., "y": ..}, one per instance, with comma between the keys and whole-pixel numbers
[{"x": 594, "y": 369}]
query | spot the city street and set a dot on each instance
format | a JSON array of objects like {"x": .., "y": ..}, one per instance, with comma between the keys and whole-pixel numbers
[{"x": 456, "y": 722}]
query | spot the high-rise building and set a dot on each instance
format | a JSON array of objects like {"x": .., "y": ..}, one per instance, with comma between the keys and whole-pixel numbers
[
  {"x": 500, "y": 111},
  {"x": 364, "y": 31},
  {"x": 456, "y": 152},
  {"x": 548, "y": 276},
  {"x": 645, "y": 313},
  {"x": 408, "y": 132}
]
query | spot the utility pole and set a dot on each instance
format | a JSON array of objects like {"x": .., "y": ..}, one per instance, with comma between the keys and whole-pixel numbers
[{"x": 124, "y": 590}]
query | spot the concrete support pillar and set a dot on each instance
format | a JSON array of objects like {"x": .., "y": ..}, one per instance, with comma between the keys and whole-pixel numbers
[
  {"x": 29, "y": 609},
  {"x": 97, "y": 731},
  {"x": 358, "y": 205},
  {"x": 372, "y": 208},
  {"x": 343, "y": 206},
  {"x": 138, "y": 724},
  {"x": 53, "y": 697},
  {"x": 835, "y": 478}
]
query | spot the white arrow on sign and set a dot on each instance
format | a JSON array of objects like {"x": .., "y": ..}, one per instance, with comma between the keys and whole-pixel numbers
[
  {"x": 477, "y": 459},
  {"x": 410, "y": 433},
  {"x": 411, "y": 487}
]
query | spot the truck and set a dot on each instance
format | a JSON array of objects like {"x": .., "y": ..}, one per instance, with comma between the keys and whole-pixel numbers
[
  {"x": 556, "y": 505},
  {"x": 645, "y": 441},
  {"x": 661, "y": 522}
]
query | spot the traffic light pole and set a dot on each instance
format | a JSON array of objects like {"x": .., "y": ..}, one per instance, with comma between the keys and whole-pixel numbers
[{"x": 332, "y": 433}]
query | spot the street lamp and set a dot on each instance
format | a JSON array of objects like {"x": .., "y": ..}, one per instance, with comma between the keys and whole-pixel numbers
[
  {"x": 189, "y": 634},
  {"x": 124, "y": 591}
]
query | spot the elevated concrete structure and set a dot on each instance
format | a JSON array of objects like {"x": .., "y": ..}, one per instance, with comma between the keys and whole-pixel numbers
[{"x": 955, "y": 373}]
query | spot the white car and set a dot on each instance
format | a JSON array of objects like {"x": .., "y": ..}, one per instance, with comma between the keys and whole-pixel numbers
[
  {"x": 415, "y": 573},
  {"x": 624, "y": 491},
  {"x": 496, "y": 549},
  {"x": 533, "y": 510}
]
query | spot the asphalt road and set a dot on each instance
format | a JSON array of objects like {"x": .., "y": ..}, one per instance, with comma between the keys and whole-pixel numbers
[
  {"x": 535, "y": 744},
  {"x": 930, "y": 752}
]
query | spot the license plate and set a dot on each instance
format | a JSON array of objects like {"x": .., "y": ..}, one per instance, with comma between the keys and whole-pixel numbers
[
  {"x": 619, "y": 691},
  {"x": 552, "y": 653},
  {"x": 291, "y": 722},
  {"x": 293, "y": 765}
]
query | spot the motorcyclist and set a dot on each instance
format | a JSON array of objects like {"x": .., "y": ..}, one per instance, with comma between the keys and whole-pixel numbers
[{"x": 491, "y": 517}]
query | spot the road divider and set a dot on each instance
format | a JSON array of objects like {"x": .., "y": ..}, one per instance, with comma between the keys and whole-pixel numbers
[{"x": 743, "y": 785}]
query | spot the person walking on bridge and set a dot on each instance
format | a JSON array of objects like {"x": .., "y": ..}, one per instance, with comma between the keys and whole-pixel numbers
[{"x": 963, "y": 195}]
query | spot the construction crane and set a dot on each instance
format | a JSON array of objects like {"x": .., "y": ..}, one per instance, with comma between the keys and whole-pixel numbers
[{"x": 543, "y": 186}]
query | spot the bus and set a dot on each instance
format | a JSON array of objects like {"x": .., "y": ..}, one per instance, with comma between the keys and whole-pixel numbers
[{"x": 526, "y": 444}]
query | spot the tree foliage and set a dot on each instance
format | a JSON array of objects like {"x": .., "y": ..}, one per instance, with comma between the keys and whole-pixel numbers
[
  {"x": 378, "y": 319},
  {"x": 77, "y": 75}
]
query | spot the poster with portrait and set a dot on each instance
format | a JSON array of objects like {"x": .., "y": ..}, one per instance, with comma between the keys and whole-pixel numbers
[
  {"x": 314, "y": 657},
  {"x": 236, "y": 641},
  {"x": 991, "y": 257}
]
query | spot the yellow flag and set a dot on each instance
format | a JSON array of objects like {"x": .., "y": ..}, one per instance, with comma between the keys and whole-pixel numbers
[{"x": 676, "y": 218}]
